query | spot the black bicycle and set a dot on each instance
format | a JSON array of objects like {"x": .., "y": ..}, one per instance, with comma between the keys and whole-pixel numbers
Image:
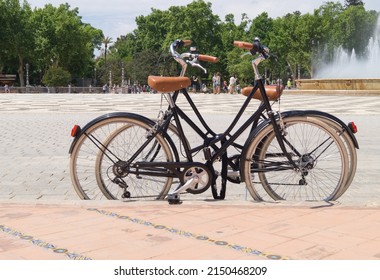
[{"x": 293, "y": 155}]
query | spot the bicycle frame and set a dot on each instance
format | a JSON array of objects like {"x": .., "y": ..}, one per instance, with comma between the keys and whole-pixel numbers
[{"x": 176, "y": 113}]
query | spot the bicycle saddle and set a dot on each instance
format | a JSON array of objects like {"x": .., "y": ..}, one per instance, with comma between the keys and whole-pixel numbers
[
  {"x": 273, "y": 92},
  {"x": 167, "y": 84}
]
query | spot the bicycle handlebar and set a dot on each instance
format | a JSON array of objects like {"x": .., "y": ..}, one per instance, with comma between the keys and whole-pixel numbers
[
  {"x": 187, "y": 42},
  {"x": 208, "y": 58},
  {"x": 193, "y": 57},
  {"x": 254, "y": 48},
  {"x": 243, "y": 45}
]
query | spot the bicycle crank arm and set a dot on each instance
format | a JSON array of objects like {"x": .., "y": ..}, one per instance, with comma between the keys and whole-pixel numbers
[{"x": 173, "y": 197}]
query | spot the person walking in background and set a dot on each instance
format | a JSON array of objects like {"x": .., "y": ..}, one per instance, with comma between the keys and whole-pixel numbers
[
  {"x": 194, "y": 83},
  {"x": 218, "y": 82},
  {"x": 6, "y": 88},
  {"x": 214, "y": 78},
  {"x": 225, "y": 86},
  {"x": 289, "y": 84},
  {"x": 233, "y": 81}
]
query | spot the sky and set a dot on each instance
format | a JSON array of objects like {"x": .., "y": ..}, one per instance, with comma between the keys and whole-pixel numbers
[{"x": 117, "y": 17}]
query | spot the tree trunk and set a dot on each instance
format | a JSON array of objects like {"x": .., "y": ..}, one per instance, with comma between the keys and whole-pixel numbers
[
  {"x": 21, "y": 71},
  {"x": 292, "y": 70},
  {"x": 105, "y": 54}
]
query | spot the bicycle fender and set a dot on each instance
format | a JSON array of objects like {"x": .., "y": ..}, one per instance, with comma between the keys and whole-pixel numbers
[
  {"x": 325, "y": 115},
  {"x": 101, "y": 118},
  {"x": 123, "y": 115},
  {"x": 303, "y": 113}
]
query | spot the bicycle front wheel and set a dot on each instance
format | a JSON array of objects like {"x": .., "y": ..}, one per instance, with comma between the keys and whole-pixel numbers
[{"x": 320, "y": 158}]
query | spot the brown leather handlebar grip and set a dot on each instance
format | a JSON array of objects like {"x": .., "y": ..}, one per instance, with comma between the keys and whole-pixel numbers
[
  {"x": 186, "y": 42},
  {"x": 243, "y": 45},
  {"x": 208, "y": 58}
]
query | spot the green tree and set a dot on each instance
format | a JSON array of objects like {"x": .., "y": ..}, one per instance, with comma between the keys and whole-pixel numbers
[
  {"x": 156, "y": 31},
  {"x": 151, "y": 31},
  {"x": 349, "y": 3},
  {"x": 284, "y": 41},
  {"x": 17, "y": 36},
  {"x": 56, "y": 76},
  {"x": 356, "y": 27},
  {"x": 261, "y": 27},
  {"x": 106, "y": 41},
  {"x": 231, "y": 62},
  {"x": 62, "y": 39},
  {"x": 349, "y": 27}
]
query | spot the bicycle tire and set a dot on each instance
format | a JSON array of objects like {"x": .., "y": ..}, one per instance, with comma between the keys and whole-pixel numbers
[
  {"x": 85, "y": 156},
  {"x": 323, "y": 180}
]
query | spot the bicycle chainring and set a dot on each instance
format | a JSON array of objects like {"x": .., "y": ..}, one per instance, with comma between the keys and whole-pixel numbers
[{"x": 202, "y": 173}]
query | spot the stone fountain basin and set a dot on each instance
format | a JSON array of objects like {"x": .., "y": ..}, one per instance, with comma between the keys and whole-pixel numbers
[{"x": 339, "y": 84}]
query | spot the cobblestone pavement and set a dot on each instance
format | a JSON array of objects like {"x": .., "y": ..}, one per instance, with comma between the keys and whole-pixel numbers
[{"x": 35, "y": 137}]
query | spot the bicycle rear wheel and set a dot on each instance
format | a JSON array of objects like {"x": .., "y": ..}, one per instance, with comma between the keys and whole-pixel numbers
[
  {"x": 91, "y": 170},
  {"x": 119, "y": 147},
  {"x": 320, "y": 155}
]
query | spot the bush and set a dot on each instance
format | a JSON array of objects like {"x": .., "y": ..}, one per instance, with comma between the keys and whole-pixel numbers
[{"x": 56, "y": 76}]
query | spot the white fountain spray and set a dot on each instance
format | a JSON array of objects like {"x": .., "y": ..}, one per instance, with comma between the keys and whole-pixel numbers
[{"x": 350, "y": 66}]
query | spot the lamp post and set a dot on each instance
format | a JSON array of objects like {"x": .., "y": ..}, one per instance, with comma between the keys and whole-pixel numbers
[
  {"x": 122, "y": 74},
  {"x": 27, "y": 74},
  {"x": 95, "y": 77},
  {"x": 134, "y": 62},
  {"x": 110, "y": 81},
  {"x": 40, "y": 78}
]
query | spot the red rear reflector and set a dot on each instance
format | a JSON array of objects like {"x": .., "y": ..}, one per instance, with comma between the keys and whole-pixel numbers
[
  {"x": 75, "y": 130},
  {"x": 353, "y": 127}
]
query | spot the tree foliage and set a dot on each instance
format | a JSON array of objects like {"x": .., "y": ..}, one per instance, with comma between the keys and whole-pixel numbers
[
  {"x": 56, "y": 76},
  {"x": 17, "y": 35},
  {"x": 51, "y": 37},
  {"x": 297, "y": 39},
  {"x": 44, "y": 37},
  {"x": 349, "y": 3}
]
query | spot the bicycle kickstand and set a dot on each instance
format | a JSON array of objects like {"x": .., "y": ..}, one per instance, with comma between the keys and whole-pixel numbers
[{"x": 174, "y": 197}]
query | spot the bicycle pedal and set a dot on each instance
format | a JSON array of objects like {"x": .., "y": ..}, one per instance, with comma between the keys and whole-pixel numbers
[
  {"x": 174, "y": 199},
  {"x": 174, "y": 202}
]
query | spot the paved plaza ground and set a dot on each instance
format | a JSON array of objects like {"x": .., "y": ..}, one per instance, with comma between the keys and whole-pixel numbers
[
  {"x": 36, "y": 137},
  {"x": 37, "y": 198}
]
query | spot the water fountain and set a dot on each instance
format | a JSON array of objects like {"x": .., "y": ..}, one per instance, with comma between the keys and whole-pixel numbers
[{"x": 348, "y": 72}]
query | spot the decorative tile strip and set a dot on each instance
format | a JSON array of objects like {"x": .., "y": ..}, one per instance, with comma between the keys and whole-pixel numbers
[
  {"x": 187, "y": 234},
  {"x": 42, "y": 244}
]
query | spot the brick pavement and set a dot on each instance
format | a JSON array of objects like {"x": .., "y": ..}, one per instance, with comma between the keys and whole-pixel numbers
[{"x": 196, "y": 230}]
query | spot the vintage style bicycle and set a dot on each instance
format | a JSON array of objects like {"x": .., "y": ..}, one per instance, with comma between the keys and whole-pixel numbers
[{"x": 293, "y": 155}]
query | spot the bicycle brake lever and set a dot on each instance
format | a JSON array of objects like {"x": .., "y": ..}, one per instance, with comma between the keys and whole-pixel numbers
[
  {"x": 195, "y": 64},
  {"x": 244, "y": 54},
  {"x": 274, "y": 56}
]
